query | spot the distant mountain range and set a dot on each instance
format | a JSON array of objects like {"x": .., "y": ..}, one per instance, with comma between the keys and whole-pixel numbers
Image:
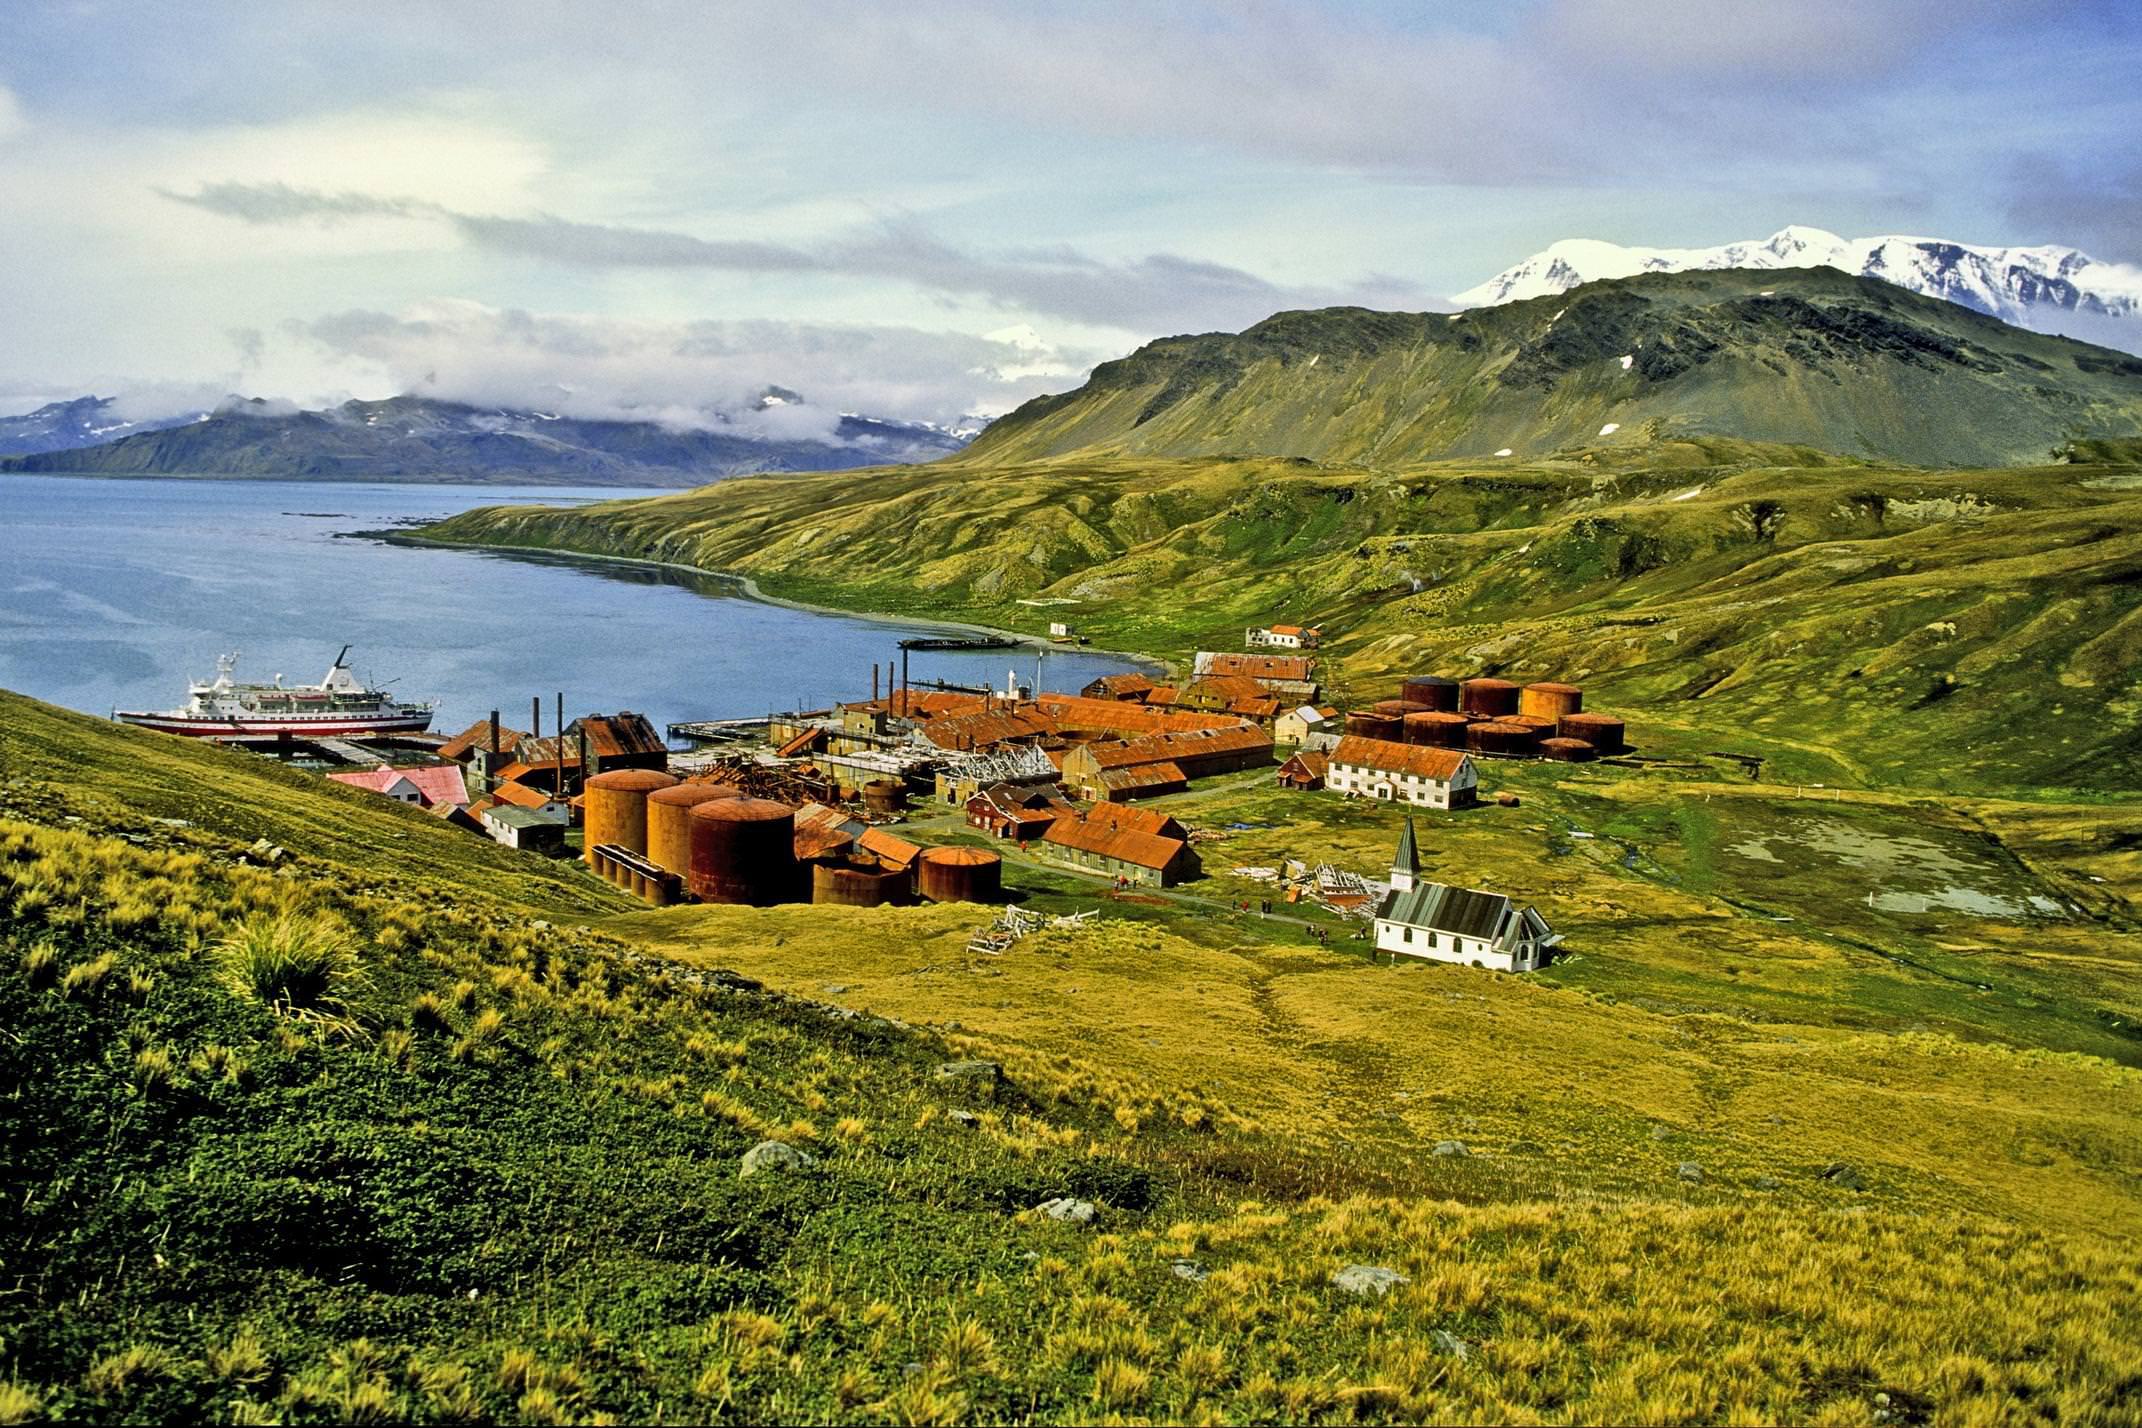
[
  {"x": 1808, "y": 357},
  {"x": 67, "y": 426},
  {"x": 411, "y": 438},
  {"x": 2049, "y": 288}
]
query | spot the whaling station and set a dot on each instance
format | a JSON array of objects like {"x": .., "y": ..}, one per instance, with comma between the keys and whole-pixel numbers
[{"x": 802, "y": 806}]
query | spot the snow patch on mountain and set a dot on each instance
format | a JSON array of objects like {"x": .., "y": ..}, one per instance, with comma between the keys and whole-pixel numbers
[{"x": 2049, "y": 287}]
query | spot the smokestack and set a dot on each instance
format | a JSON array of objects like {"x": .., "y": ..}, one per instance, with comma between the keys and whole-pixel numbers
[
  {"x": 490, "y": 767},
  {"x": 906, "y": 689},
  {"x": 873, "y": 681},
  {"x": 535, "y": 716}
]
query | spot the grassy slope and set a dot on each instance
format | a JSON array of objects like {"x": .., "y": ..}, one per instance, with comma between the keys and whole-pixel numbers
[
  {"x": 501, "y": 1183},
  {"x": 1966, "y": 630},
  {"x": 1817, "y": 357}
]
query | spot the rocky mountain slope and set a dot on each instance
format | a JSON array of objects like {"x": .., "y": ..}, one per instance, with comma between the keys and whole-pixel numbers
[
  {"x": 1809, "y": 357},
  {"x": 2042, "y": 287},
  {"x": 418, "y": 439},
  {"x": 69, "y": 425}
]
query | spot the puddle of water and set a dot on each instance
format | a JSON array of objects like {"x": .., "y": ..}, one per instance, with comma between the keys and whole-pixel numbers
[{"x": 1910, "y": 874}]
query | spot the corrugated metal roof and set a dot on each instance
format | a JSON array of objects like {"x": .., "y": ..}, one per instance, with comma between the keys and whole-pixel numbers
[
  {"x": 520, "y": 795},
  {"x": 1143, "y": 850},
  {"x": 1384, "y": 756},
  {"x": 436, "y": 783},
  {"x": 1160, "y": 775},
  {"x": 478, "y": 736},
  {"x": 1135, "y": 820},
  {"x": 889, "y": 847},
  {"x": 1256, "y": 666},
  {"x": 1440, "y": 907}
]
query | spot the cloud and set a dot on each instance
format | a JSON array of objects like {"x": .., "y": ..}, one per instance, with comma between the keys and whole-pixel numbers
[
  {"x": 11, "y": 117},
  {"x": 1161, "y": 291},
  {"x": 2096, "y": 206},
  {"x": 696, "y": 374}
]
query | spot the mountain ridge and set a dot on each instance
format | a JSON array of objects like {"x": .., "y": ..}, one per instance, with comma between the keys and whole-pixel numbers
[
  {"x": 1805, "y": 357},
  {"x": 2046, "y": 287},
  {"x": 421, "y": 438}
]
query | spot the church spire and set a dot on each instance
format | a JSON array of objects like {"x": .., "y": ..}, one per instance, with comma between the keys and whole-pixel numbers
[{"x": 1406, "y": 866}]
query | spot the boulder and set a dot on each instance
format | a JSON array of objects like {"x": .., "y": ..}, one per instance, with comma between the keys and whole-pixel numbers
[
  {"x": 1065, "y": 1210},
  {"x": 1188, "y": 1269},
  {"x": 1690, "y": 1171},
  {"x": 1446, "y": 1342},
  {"x": 987, "y": 1072},
  {"x": 1843, "y": 1176},
  {"x": 1366, "y": 1279},
  {"x": 1450, "y": 1147},
  {"x": 771, "y": 1157}
]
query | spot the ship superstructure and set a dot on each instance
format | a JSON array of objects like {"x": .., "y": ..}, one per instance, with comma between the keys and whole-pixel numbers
[{"x": 339, "y": 704}]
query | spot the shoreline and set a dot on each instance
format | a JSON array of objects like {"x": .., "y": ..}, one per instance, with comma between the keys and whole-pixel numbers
[{"x": 749, "y": 589}]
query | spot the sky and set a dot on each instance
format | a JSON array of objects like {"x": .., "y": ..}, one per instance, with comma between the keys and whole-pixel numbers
[{"x": 930, "y": 210}]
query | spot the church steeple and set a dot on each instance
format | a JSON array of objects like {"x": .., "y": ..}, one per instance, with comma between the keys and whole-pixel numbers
[{"x": 1406, "y": 866}]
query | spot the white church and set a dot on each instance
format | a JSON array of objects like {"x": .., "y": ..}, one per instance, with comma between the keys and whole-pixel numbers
[{"x": 1462, "y": 925}]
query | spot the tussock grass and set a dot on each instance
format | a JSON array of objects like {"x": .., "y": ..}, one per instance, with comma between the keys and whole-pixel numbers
[{"x": 293, "y": 962}]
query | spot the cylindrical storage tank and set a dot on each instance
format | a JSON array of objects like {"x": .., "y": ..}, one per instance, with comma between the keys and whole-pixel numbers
[
  {"x": 669, "y": 822},
  {"x": 616, "y": 808},
  {"x": 1437, "y": 729},
  {"x": 1546, "y": 727},
  {"x": 1400, "y": 707},
  {"x": 1431, "y": 691},
  {"x": 1369, "y": 724},
  {"x": 1602, "y": 731},
  {"x": 1550, "y": 701},
  {"x": 857, "y": 883},
  {"x": 885, "y": 795},
  {"x": 1493, "y": 737},
  {"x": 1492, "y": 697},
  {"x": 743, "y": 851},
  {"x": 959, "y": 875},
  {"x": 1569, "y": 751}
]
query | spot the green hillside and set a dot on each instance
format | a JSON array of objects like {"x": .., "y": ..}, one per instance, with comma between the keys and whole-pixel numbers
[
  {"x": 1852, "y": 623},
  {"x": 486, "y": 1167},
  {"x": 1810, "y": 357}
]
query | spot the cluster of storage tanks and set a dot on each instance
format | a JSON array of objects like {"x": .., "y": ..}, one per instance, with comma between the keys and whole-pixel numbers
[
  {"x": 673, "y": 841},
  {"x": 1492, "y": 716}
]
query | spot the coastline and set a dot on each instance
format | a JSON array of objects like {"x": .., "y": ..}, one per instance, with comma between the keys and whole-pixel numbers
[{"x": 749, "y": 589}]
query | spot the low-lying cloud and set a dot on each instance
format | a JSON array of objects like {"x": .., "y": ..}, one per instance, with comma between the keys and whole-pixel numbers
[
  {"x": 692, "y": 375},
  {"x": 1158, "y": 292}
]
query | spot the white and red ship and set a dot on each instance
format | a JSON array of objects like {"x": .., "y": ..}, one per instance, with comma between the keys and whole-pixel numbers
[{"x": 338, "y": 705}]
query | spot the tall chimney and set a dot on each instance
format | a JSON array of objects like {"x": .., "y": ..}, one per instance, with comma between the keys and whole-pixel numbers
[
  {"x": 535, "y": 716},
  {"x": 907, "y": 691},
  {"x": 490, "y": 766},
  {"x": 873, "y": 681}
]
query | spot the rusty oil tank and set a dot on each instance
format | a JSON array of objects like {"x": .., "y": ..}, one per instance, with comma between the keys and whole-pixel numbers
[
  {"x": 1569, "y": 751},
  {"x": 1494, "y": 737},
  {"x": 858, "y": 882},
  {"x": 959, "y": 875},
  {"x": 669, "y": 821},
  {"x": 1437, "y": 729},
  {"x": 616, "y": 808},
  {"x": 1603, "y": 732},
  {"x": 1400, "y": 707},
  {"x": 1369, "y": 724},
  {"x": 885, "y": 795},
  {"x": 1549, "y": 700},
  {"x": 1492, "y": 697},
  {"x": 1431, "y": 691},
  {"x": 744, "y": 851},
  {"x": 1545, "y": 727}
]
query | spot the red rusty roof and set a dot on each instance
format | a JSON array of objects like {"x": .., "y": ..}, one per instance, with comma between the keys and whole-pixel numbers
[
  {"x": 520, "y": 795},
  {"x": 478, "y": 736},
  {"x": 1143, "y": 850},
  {"x": 1386, "y": 757},
  {"x": 1257, "y": 666}
]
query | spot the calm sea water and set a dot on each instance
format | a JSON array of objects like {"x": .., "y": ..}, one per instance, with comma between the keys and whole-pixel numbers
[{"x": 114, "y": 593}]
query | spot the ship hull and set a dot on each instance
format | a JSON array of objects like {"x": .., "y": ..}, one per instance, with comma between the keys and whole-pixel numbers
[{"x": 325, "y": 726}]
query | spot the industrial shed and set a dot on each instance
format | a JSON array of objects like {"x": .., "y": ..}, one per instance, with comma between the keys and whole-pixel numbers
[{"x": 1126, "y": 853}]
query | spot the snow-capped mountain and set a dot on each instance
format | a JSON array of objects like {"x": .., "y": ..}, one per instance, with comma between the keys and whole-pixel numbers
[
  {"x": 2049, "y": 288},
  {"x": 68, "y": 426}
]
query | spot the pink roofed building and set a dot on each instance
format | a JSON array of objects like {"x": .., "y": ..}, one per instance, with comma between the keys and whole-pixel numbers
[{"x": 425, "y": 787}]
